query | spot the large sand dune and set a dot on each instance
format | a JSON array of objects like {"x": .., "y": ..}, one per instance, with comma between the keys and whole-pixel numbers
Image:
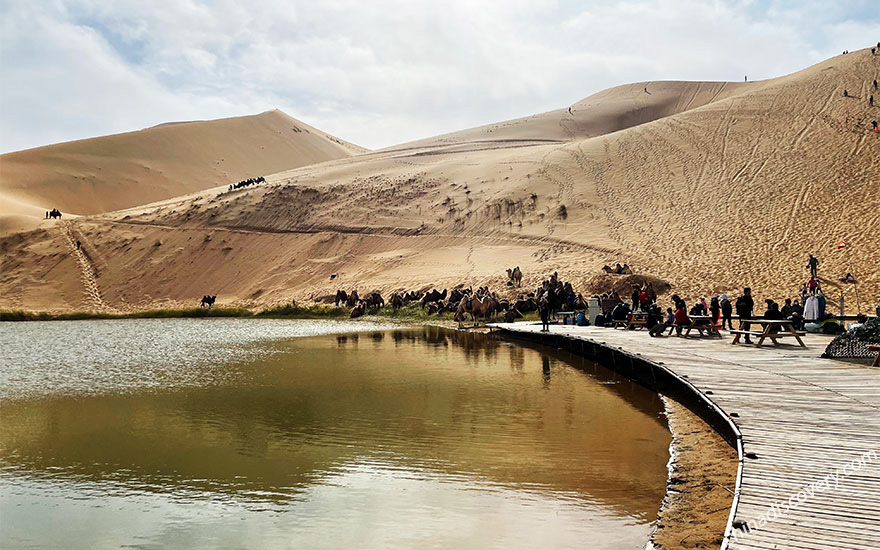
[
  {"x": 709, "y": 186},
  {"x": 108, "y": 173}
]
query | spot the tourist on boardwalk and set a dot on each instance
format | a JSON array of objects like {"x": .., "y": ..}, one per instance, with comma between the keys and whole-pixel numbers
[
  {"x": 811, "y": 309},
  {"x": 698, "y": 309},
  {"x": 544, "y": 312},
  {"x": 659, "y": 328},
  {"x": 813, "y": 266},
  {"x": 745, "y": 305},
  {"x": 726, "y": 313},
  {"x": 786, "y": 309},
  {"x": 636, "y": 293},
  {"x": 772, "y": 312},
  {"x": 681, "y": 317},
  {"x": 715, "y": 309}
]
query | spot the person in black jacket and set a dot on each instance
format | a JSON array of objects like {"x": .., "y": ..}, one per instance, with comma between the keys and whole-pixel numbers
[
  {"x": 745, "y": 306},
  {"x": 726, "y": 313}
]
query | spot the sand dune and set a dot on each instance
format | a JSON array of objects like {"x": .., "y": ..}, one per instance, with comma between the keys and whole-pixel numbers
[
  {"x": 707, "y": 186},
  {"x": 108, "y": 173}
]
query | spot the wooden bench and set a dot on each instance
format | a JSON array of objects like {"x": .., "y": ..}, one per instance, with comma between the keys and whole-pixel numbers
[
  {"x": 637, "y": 320},
  {"x": 704, "y": 324},
  {"x": 774, "y": 329},
  {"x": 620, "y": 323},
  {"x": 874, "y": 347}
]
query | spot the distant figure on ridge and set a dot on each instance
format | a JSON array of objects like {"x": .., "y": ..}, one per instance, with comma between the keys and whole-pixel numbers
[
  {"x": 875, "y": 84},
  {"x": 569, "y": 111},
  {"x": 845, "y": 93},
  {"x": 871, "y": 101},
  {"x": 874, "y": 125}
]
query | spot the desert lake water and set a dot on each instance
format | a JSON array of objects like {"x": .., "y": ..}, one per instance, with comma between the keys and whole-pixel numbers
[{"x": 310, "y": 434}]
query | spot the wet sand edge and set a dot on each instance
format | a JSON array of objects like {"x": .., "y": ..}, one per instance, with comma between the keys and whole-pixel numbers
[{"x": 699, "y": 489}]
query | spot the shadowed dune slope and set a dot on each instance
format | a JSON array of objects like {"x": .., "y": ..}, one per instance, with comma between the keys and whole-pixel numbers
[
  {"x": 734, "y": 187},
  {"x": 112, "y": 172}
]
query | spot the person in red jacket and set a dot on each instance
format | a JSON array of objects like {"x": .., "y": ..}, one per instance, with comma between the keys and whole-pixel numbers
[{"x": 681, "y": 317}]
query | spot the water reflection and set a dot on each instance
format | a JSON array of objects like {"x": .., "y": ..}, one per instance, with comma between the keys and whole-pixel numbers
[{"x": 340, "y": 435}]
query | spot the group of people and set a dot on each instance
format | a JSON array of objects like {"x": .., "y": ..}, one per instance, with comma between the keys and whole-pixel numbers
[{"x": 246, "y": 183}]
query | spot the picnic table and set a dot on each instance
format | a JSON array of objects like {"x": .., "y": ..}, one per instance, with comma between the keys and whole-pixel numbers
[
  {"x": 876, "y": 348},
  {"x": 704, "y": 324},
  {"x": 636, "y": 319},
  {"x": 774, "y": 329}
]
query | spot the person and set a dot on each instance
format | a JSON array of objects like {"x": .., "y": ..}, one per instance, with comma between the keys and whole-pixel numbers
[
  {"x": 636, "y": 293},
  {"x": 811, "y": 309},
  {"x": 845, "y": 93},
  {"x": 874, "y": 125},
  {"x": 772, "y": 312},
  {"x": 78, "y": 245},
  {"x": 797, "y": 315},
  {"x": 726, "y": 313},
  {"x": 582, "y": 319},
  {"x": 620, "y": 312},
  {"x": 871, "y": 101},
  {"x": 657, "y": 330},
  {"x": 47, "y": 214},
  {"x": 873, "y": 50},
  {"x": 786, "y": 309},
  {"x": 875, "y": 84},
  {"x": 746, "y": 78},
  {"x": 715, "y": 309},
  {"x": 812, "y": 284},
  {"x": 681, "y": 317},
  {"x": 569, "y": 111},
  {"x": 646, "y": 89},
  {"x": 745, "y": 305},
  {"x": 698, "y": 309},
  {"x": 544, "y": 312},
  {"x": 813, "y": 265}
]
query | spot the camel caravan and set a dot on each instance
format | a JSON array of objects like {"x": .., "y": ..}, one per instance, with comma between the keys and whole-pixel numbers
[{"x": 480, "y": 305}]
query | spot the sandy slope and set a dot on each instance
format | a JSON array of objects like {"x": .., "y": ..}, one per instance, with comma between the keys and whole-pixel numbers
[
  {"x": 707, "y": 186},
  {"x": 112, "y": 172}
]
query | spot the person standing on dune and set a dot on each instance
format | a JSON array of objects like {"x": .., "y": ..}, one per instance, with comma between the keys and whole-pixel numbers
[{"x": 813, "y": 266}]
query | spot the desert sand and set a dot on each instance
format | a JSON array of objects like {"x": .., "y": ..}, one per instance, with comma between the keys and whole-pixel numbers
[
  {"x": 708, "y": 186},
  {"x": 108, "y": 173}
]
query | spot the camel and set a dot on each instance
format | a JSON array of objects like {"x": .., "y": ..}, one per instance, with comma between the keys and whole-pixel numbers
[
  {"x": 433, "y": 296},
  {"x": 478, "y": 307},
  {"x": 358, "y": 310},
  {"x": 396, "y": 301},
  {"x": 515, "y": 276},
  {"x": 54, "y": 213},
  {"x": 374, "y": 299},
  {"x": 353, "y": 299},
  {"x": 208, "y": 301},
  {"x": 341, "y": 297}
]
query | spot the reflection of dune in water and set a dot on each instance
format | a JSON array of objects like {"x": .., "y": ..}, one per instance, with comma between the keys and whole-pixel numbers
[{"x": 430, "y": 402}]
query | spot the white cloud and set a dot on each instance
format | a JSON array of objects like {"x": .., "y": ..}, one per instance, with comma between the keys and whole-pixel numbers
[{"x": 379, "y": 72}]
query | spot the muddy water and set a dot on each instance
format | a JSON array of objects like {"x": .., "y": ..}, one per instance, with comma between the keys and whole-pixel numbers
[{"x": 288, "y": 434}]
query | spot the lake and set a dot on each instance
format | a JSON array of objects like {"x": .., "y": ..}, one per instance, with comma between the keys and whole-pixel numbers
[{"x": 245, "y": 433}]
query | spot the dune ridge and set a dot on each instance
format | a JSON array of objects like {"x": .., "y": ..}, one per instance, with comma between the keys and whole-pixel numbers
[{"x": 709, "y": 186}]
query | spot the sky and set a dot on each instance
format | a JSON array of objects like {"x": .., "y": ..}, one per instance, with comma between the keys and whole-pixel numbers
[{"x": 381, "y": 72}]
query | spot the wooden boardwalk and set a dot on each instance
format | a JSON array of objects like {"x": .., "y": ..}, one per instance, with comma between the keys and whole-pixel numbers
[{"x": 801, "y": 420}]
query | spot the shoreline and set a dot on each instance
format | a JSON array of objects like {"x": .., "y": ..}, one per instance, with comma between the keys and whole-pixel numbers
[{"x": 699, "y": 488}]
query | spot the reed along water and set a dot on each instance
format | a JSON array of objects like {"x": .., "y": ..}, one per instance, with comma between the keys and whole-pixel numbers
[{"x": 249, "y": 433}]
